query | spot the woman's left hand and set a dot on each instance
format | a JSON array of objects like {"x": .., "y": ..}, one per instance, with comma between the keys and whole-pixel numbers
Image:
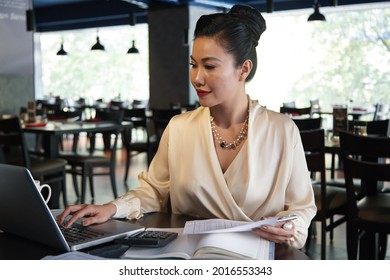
[{"x": 280, "y": 233}]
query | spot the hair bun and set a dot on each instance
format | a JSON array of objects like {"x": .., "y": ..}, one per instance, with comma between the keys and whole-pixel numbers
[{"x": 252, "y": 18}]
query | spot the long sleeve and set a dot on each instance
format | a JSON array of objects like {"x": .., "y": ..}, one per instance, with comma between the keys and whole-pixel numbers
[
  {"x": 277, "y": 169},
  {"x": 268, "y": 177},
  {"x": 153, "y": 191}
]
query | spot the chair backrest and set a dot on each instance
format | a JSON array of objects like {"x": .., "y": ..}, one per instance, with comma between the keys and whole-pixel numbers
[
  {"x": 13, "y": 148},
  {"x": 112, "y": 115},
  {"x": 118, "y": 104},
  {"x": 315, "y": 106},
  {"x": 161, "y": 118},
  {"x": 308, "y": 123},
  {"x": 364, "y": 157},
  {"x": 313, "y": 142},
  {"x": 374, "y": 128},
  {"x": 381, "y": 112},
  {"x": 140, "y": 104},
  {"x": 289, "y": 104},
  {"x": 139, "y": 120},
  {"x": 296, "y": 111},
  {"x": 51, "y": 109},
  {"x": 137, "y": 116},
  {"x": 74, "y": 113},
  {"x": 379, "y": 127}
]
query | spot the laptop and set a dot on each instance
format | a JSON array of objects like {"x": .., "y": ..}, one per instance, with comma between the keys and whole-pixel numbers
[{"x": 23, "y": 212}]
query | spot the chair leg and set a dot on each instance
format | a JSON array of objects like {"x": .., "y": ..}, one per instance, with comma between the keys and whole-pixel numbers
[
  {"x": 372, "y": 245},
  {"x": 63, "y": 186},
  {"x": 92, "y": 141},
  {"x": 75, "y": 142},
  {"x": 314, "y": 230},
  {"x": 91, "y": 186},
  {"x": 332, "y": 166},
  {"x": 106, "y": 141},
  {"x": 83, "y": 185},
  {"x": 61, "y": 144},
  {"x": 113, "y": 183},
  {"x": 323, "y": 239},
  {"x": 352, "y": 240},
  {"x": 128, "y": 159},
  {"x": 75, "y": 185},
  {"x": 309, "y": 237},
  {"x": 331, "y": 231},
  {"x": 382, "y": 246}
]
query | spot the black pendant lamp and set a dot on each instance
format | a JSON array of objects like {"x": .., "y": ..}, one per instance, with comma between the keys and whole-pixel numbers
[
  {"x": 97, "y": 46},
  {"x": 316, "y": 16},
  {"x": 62, "y": 51},
  {"x": 133, "y": 49}
]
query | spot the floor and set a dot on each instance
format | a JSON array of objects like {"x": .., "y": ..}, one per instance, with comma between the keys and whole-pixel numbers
[{"x": 336, "y": 249}]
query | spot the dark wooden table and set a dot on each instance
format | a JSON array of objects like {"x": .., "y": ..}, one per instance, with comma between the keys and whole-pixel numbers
[
  {"x": 52, "y": 132},
  {"x": 354, "y": 113},
  {"x": 16, "y": 248}
]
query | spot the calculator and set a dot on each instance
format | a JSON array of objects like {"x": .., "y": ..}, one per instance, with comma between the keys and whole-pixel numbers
[{"x": 149, "y": 238}]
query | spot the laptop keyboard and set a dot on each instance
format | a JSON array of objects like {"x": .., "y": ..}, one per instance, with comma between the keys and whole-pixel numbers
[{"x": 77, "y": 233}]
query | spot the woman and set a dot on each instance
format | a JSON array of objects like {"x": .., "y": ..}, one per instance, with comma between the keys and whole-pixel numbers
[{"x": 231, "y": 158}]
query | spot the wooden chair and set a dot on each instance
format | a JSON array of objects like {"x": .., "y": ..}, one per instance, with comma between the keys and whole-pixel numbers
[
  {"x": 95, "y": 163},
  {"x": 161, "y": 118},
  {"x": 144, "y": 144},
  {"x": 308, "y": 123},
  {"x": 374, "y": 128},
  {"x": 14, "y": 150},
  {"x": 330, "y": 201},
  {"x": 102, "y": 115},
  {"x": 315, "y": 107},
  {"x": 379, "y": 127},
  {"x": 74, "y": 114},
  {"x": 366, "y": 158},
  {"x": 381, "y": 112},
  {"x": 52, "y": 111}
]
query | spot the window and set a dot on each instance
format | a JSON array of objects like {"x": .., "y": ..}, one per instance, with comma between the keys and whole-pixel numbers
[
  {"x": 345, "y": 60},
  {"x": 96, "y": 74}
]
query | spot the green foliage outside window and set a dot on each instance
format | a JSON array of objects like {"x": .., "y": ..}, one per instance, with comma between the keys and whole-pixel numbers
[{"x": 345, "y": 60}]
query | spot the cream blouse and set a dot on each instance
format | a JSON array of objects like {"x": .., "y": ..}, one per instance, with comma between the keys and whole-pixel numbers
[{"x": 268, "y": 177}]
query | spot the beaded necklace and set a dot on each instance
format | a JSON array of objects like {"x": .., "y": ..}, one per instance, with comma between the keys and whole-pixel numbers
[{"x": 241, "y": 136}]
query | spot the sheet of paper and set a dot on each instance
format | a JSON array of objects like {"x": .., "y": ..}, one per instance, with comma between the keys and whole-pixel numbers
[
  {"x": 182, "y": 247},
  {"x": 223, "y": 225}
]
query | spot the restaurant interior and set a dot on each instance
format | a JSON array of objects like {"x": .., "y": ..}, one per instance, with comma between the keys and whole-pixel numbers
[{"x": 121, "y": 131}]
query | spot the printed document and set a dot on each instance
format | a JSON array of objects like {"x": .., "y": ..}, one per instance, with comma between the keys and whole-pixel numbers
[{"x": 223, "y": 225}]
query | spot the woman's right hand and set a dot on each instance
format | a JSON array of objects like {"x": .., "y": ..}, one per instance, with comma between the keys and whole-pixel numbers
[{"x": 90, "y": 214}]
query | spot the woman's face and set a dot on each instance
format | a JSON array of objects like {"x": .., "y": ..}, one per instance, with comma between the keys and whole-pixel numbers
[{"x": 213, "y": 73}]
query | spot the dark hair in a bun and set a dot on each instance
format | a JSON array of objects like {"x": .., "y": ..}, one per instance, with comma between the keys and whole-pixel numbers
[{"x": 238, "y": 32}]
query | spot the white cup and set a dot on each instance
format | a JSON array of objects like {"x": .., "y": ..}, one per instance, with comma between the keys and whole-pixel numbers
[{"x": 41, "y": 187}]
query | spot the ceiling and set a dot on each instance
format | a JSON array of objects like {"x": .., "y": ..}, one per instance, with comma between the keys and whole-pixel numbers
[{"x": 56, "y": 15}]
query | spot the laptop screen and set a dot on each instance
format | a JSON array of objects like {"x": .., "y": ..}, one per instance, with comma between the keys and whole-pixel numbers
[{"x": 23, "y": 212}]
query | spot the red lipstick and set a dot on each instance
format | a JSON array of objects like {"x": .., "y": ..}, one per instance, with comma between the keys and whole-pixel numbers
[{"x": 202, "y": 93}]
